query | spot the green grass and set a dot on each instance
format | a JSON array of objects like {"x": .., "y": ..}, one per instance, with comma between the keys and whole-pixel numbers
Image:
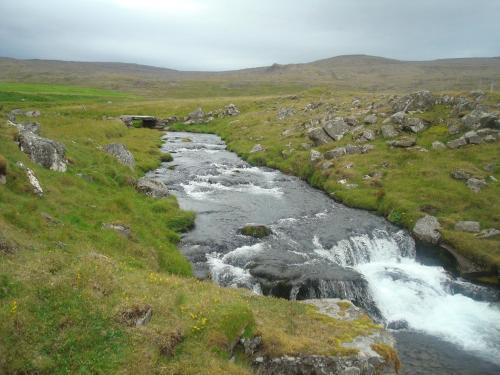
[
  {"x": 39, "y": 92},
  {"x": 64, "y": 287},
  {"x": 409, "y": 183}
]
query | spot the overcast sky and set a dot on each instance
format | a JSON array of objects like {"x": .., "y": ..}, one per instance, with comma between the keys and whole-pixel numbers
[{"x": 231, "y": 34}]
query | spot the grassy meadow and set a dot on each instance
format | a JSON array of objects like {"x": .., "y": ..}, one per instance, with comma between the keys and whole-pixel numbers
[{"x": 66, "y": 283}]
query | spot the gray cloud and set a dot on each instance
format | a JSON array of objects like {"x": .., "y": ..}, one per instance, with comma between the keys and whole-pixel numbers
[{"x": 223, "y": 34}]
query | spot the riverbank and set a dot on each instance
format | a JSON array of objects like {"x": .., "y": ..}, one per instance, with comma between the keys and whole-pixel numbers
[
  {"x": 400, "y": 184},
  {"x": 91, "y": 279}
]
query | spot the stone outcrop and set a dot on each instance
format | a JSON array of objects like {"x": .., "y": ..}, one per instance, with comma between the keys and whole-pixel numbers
[
  {"x": 32, "y": 179},
  {"x": 427, "y": 229},
  {"x": 417, "y": 101},
  {"x": 46, "y": 152},
  {"x": 318, "y": 136},
  {"x": 370, "y": 119},
  {"x": 336, "y": 128},
  {"x": 388, "y": 131},
  {"x": 198, "y": 116},
  {"x": 284, "y": 113},
  {"x": 230, "y": 110},
  {"x": 121, "y": 153},
  {"x": 347, "y": 150}
]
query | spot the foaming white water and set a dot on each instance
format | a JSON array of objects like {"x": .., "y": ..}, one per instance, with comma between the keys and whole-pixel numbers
[
  {"x": 202, "y": 189},
  {"x": 230, "y": 275},
  {"x": 404, "y": 289}
]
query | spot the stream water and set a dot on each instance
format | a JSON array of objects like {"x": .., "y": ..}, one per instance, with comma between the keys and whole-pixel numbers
[{"x": 319, "y": 249}]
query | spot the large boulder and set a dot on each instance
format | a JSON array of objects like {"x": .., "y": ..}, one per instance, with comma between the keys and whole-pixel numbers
[
  {"x": 427, "y": 229},
  {"x": 196, "y": 117},
  {"x": 318, "y": 136},
  {"x": 420, "y": 100},
  {"x": 152, "y": 187},
  {"x": 370, "y": 119},
  {"x": 480, "y": 119},
  {"x": 121, "y": 153},
  {"x": 336, "y": 128},
  {"x": 46, "y": 152}
]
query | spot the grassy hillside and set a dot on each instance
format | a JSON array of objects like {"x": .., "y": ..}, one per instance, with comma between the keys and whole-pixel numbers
[
  {"x": 69, "y": 288},
  {"x": 357, "y": 72},
  {"x": 403, "y": 185}
]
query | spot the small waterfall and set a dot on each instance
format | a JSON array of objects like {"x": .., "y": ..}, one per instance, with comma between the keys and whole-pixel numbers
[{"x": 425, "y": 297}]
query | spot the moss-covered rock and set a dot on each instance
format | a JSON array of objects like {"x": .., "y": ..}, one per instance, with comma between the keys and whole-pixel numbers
[{"x": 255, "y": 230}]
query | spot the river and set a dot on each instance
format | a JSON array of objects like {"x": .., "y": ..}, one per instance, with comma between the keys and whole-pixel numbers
[{"x": 319, "y": 248}]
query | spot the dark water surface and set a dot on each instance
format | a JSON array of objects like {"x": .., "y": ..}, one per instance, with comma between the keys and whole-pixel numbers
[{"x": 322, "y": 249}]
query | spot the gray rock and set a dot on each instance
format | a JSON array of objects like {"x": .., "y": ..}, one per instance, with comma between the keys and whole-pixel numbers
[
  {"x": 152, "y": 187},
  {"x": 460, "y": 174},
  {"x": 388, "y": 131},
  {"x": 489, "y": 120},
  {"x": 336, "y": 128},
  {"x": 315, "y": 155},
  {"x": 257, "y": 148},
  {"x": 398, "y": 118},
  {"x": 370, "y": 119},
  {"x": 34, "y": 113},
  {"x": 121, "y": 153},
  {"x": 403, "y": 142},
  {"x": 356, "y": 103},
  {"x": 472, "y": 119},
  {"x": 31, "y": 127},
  {"x": 318, "y": 136},
  {"x": 472, "y": 137},
  {"x": 489, "y": 233},
  {"x": 231, "y": 110},
  {"x": 46, "y": 152},
  {"x": 351, "y": 121},
  {"x": 196, "y": 117},
  {"x": 454, "y": 129},
  {"x": 32, "y": 179},
  {"x": 335, "y": 153},
  {"x": 285, "y": 112},
  {"x": 420, "y": 100},
  {"x": 437, "y": 145},
  {"x": 416, "y": 125},
  {"x": 468, "y": 226},
  {"x": 456, "y": 143},
  {"x": 427, "y": 229},
  {"x": 121, "y": 229},
  {"x": 366, "y": 136},
  {"x": 476, "y": 184}
]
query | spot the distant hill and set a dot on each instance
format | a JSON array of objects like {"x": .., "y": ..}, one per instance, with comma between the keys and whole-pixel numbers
[{"x": 353, "y": 72}]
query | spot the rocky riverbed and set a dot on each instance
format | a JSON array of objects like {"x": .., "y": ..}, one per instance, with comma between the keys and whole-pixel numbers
[{"x": 316, "y": 248}]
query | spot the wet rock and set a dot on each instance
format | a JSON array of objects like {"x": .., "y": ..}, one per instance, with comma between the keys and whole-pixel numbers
[
  {"x": 152, "y": 187},
  {"x": 256, "y": 230},
  {"x": 370, "y": 119},
  {"x": 336, "y": 128},
  {"x": 456, "y": 143},
  {"x": 283, "y": 113},
  {"x": 398, "y": 325},
  {"x": 420, "y": 100},
  {"x": 318, "y": 136},
  {"x": 476, "y": 184},
  {"x": 427, "y": 229},
  {"x": 231, "y": 110},
  {"x": 468, "y": 226},
  {"x": 315, "y": 155},
  {"x": 121, "y": 153},
  {"x": 489, "y": 233},
  {"x": 404, "y": 142},
  {"x": 460, "y": 174},
  {"x": 121, "y": 229},
  {"x": 388, "y": 131},
  {"x": 257, "y": 148},
  {"x": 437, "y": 145},
  {"x": 46, "y": 152}
]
